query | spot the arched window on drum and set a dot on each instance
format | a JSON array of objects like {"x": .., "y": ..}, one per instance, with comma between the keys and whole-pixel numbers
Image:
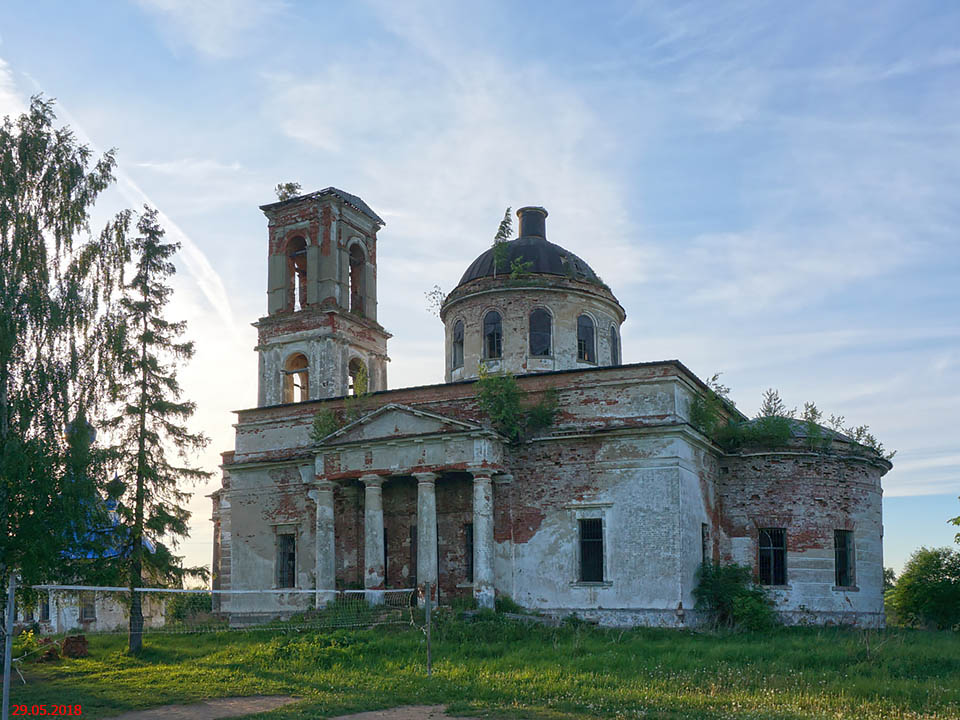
[
  {"x": 586, "y": 340},
  {"x": 540, "y": 333},
  {"x": 456, "y": 359},
  {"x": 492, "y": 336}
]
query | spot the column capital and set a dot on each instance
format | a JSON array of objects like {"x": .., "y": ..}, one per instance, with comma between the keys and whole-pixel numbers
[
  {"x": 372, "y": 480},
  {"x": 424, "y": 478},
  {"x": 481, "y": 473},
  {"x": 503, "y": 478}
]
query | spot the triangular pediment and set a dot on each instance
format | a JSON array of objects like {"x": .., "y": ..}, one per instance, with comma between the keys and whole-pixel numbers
[{"x": 394, "y": 421}]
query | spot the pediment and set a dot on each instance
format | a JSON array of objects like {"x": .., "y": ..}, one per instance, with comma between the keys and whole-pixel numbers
[{"x": 393, "y": 422}]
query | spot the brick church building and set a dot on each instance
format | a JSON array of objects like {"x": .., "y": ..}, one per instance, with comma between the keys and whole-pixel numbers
[{"x": 606, "y": 513}]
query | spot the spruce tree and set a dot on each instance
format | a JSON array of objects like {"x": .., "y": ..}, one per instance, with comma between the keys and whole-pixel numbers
[
  {"x": 150, "y": 422},
  {"x": 57, "y": 288}
]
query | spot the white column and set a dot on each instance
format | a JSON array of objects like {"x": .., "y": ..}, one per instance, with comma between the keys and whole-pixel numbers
[
  {"x": 427, "y": 531},
  {"x": 326, "y": 574},
  {"x": 483, "y": 538},
  {"x": 373, "y": 537}
]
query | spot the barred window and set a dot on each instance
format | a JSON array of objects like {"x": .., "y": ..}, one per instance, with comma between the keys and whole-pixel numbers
[
  {"x": 540, "y": 333},
  {"x": 457, "y": 359},
  {"x": 492, "y": 336},
  {"x": 586, "y": 347},
  {"x": 44, "y": 609},
  {"x": 844, "y": 560},
  {"x": 614, "y": 346},
  {"x": 286, "y": 560},
  {"x": 773, "y": 556},
  {"x": 591, "y": 550},
  {"x": 88, "y": 606}
]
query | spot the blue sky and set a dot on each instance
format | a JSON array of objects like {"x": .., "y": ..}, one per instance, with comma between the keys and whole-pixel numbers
[{"x": 771, "y": 189}]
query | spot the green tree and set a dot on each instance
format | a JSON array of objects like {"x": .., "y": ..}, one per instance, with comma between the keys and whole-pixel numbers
[
  {"x": 57, "y": 283},
  {"x": 287, "y": 190},
  {"x": 150, "y": 420},
  {"x": 500, "y": 249},
  {"x": 773, "y": 406},
  {"x": 927, "y": 592}
]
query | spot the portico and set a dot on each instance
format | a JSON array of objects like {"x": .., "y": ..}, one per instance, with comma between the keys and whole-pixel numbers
[{"x": 397, "y": 446}]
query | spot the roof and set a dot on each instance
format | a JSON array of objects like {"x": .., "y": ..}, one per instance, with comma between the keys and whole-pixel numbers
[
  {"x": 352, "y": 200},
  {"x": 544, "y": 256}
]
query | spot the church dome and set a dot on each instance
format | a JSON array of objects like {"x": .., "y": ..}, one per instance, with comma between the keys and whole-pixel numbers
[
  {"x": 532, "y": 247},
  {"x": 544, "y": 310}
]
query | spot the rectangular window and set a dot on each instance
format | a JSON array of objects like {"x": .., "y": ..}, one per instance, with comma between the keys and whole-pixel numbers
[
  {"x": 468, "y": 550},
  {"x": 844, "y": 558},
  {"x": 705, "y": 554},
  {"x": 44, "y": 609},
  {"x": 591, "y": 550},
  {"x": 88, "y": 606},
  {"x": 773, "y": 556},
  {"x": 286, "y": 560}
]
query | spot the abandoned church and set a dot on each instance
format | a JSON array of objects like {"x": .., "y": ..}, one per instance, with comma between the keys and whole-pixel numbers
[{"x": 605, "y": 510}]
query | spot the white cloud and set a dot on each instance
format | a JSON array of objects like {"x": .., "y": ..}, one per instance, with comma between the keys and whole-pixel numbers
[
  {"x": 201, "y": 169},
  {"x": 11, "y": 101},
  {"x": 218, "y": 28}
]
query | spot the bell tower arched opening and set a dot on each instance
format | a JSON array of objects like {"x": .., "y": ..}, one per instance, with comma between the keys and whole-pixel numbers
[
  {"x": 297, "y": 274},
  {"x": 296, "y": 379},
  {"x": 358, "y": 266}
]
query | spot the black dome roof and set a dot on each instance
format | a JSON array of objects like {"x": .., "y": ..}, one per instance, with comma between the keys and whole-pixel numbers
[{"x": 544, "y": 256}]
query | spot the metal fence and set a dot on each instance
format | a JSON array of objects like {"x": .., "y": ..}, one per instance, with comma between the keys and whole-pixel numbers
[{"x": 64, "y": 610}]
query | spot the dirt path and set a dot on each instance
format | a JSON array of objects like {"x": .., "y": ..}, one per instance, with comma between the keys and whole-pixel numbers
[
  {"x": 210, "y": 709},
  {"x": 240, "y": 706},
  {"x": 410, "y": 712}
]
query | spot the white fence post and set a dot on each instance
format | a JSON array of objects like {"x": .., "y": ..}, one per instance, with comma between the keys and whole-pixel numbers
[{"x": 8, "y": 644}]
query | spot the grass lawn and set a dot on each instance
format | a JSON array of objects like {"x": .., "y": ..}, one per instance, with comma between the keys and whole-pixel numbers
[{"x": 502, "y": 668}]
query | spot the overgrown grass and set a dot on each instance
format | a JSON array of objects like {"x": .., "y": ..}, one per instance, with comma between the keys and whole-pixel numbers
[{"x": 509, "y": 669}]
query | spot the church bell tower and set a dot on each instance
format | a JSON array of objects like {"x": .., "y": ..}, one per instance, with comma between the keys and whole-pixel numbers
[{"x": 320, "y": 337}]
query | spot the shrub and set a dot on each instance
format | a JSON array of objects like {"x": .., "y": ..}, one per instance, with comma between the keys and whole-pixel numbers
[
  {"x": 186, "y": 606},
  {"x": 729, "y": 596},
  {"x": 506, "y": 604},
  {"x": 927, "y": 593}
]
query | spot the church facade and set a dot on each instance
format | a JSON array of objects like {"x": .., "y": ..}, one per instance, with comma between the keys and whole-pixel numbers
[{"x": 606, "y": 512}]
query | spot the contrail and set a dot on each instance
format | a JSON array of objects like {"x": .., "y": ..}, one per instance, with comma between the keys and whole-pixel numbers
[{"x": 196, "y": 262}]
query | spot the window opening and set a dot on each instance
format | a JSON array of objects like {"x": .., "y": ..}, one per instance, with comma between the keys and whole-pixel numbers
[
  {"x": 296, "y": 380},
  {"x": 286, "y": 560},
  {"x": 540, "y": 322},
  {"x": 468, "y": 549},
  {"x": 614, "y": 346},
  {"x": 297, "y": 269},
  {"x": 773, "y": 556},
  {"x": 705, "y": 554},
  {"x": 45, "y": 609},
  {"x": 844, "y": 558},
  {"x": 357, "y": 265},
  {"x": 591, "y": 550},
  {"x": 492, "y": 336},
  {"x": 457, "y": 359},
  {"x": 586, "y": 348},
  {"x": 88, "y": 607},
  {"x": 358, "y": 378}
]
